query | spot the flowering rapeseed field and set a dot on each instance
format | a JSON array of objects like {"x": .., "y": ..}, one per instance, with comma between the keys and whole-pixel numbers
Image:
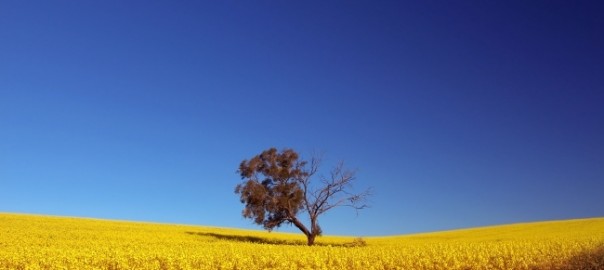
[{"x": 41, "y": 242}]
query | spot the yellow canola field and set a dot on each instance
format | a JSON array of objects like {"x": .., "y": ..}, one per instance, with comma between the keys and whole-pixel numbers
[{"x": 42, "y": 242}]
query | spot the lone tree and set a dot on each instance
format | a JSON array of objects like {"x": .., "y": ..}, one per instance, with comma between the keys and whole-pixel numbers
[{"x": 277, "y": 187}]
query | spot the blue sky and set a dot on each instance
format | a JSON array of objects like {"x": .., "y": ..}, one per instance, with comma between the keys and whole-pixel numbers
[{"x": 458, "y": 114}]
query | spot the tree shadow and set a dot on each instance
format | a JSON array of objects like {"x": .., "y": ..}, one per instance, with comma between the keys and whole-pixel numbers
[{"x": 259, "y": 240}]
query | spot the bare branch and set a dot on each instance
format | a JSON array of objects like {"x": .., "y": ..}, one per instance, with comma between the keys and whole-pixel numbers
[{"x": 334, "y": 192}]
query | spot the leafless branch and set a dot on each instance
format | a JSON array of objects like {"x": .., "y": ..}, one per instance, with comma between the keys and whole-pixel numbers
[{"x": 334, "y": 193}]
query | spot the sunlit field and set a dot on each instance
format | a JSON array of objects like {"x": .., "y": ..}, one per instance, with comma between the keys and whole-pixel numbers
[{"x": 41, "y": 242}]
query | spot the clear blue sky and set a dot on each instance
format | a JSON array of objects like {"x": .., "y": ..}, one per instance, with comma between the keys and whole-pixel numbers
[{"x": 457, "y": 113}]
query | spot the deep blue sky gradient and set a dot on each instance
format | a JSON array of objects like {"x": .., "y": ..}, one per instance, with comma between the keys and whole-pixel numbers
[{"x": 457, "y": 113}]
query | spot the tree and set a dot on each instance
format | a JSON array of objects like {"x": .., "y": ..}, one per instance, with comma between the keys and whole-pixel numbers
[{"x": 277, "y": 187}]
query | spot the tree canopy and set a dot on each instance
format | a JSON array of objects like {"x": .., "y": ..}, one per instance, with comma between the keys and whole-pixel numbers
[{"x": 277, "y": 187}]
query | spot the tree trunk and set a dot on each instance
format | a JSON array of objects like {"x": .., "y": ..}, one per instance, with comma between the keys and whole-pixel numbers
[
  {"x": 314, "y": 230},
  {"x": 300, "y": 226},
  {"x": 310, "y": 235},
  {"x": 311, "y": 239}
]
